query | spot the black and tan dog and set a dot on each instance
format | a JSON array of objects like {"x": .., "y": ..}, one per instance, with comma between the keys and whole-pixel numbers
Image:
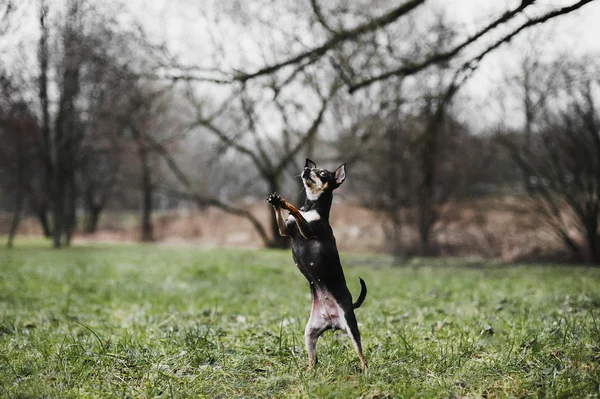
[{"x": 316, "y": 255}]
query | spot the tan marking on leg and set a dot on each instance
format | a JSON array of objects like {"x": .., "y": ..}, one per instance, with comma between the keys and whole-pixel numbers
[
  {"x": 302, "y": 224},
  {"x": 281, "y": 222}
]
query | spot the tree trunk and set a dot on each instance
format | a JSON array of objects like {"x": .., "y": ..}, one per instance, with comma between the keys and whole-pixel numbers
[
  {"x": 571, "y": 245},
  {"x": 50, "y": 143},
  {"x": 95, "y": 202},
  {"x": 426, "y": 203},
  {"x": 395, "y": 232},
  {"x": 147, "y": 192},
  {"x": 71, "y": 202},
  {"x": 93, "y": 217},
  {"x": 58, "y": 192},
  {"x": 591, "y": 237},
  {"x": 392, "y": 171},
  {"x": 16, "y": 219},
  {"x": 147, "y": 227},
  {"x": 425, "y": 227},
  {"x": 42, "y": 216},
  {"x": 57, "y": 213},
  {"x": 63, "y": 144}
]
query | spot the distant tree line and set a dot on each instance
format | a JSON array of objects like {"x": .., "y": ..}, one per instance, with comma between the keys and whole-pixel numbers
[{"x": 110, "y": 119}]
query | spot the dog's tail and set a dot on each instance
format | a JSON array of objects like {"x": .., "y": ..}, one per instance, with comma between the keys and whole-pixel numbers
[{"x": 362, "y": 295}]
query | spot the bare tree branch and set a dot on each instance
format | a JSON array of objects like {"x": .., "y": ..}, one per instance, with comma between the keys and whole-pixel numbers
[
  {"x": 203, "y": 201},
  {"x": 308, "y": 57},
  {"x": 200, "y": 200},
  {"x": 166, "y": 155},
  {"x": 186, "y": 77},
  {"x": 307, "y": 136},
  {"x": 5, "y": 12},
  {"x": 407, "y": 70},
  {"x": 546, "y": 201},
  {"x": 248, "y": 109},
  {"x": 531, "y": 22},
  {"x": 317, "y": 52},
  {"x": 320, "y": 17},
  {"x": 231, "y": 143},
  {"x": 376, "y": 24}
]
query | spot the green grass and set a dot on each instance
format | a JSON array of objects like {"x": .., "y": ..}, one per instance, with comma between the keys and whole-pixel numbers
[{"x": 150, "y": 321}]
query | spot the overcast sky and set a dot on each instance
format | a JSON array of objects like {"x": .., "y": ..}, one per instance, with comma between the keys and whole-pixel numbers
[
  {"x": 180, "y": 24},
  {"x": 177, "y": 23},
  {"x": 174, "y": 20}
]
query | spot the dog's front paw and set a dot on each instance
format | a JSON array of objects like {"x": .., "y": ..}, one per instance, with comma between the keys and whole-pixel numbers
[{"x": 275, "y": 200}]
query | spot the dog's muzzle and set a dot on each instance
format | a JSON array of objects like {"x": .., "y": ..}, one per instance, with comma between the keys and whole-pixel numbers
[{"x": 306, "y": 174}]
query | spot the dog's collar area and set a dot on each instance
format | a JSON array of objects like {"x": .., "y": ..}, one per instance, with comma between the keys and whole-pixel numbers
[{"x": 313, "y": 194}]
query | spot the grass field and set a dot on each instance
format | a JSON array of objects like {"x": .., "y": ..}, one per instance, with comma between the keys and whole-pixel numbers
[{"x": 150, "y": 321}]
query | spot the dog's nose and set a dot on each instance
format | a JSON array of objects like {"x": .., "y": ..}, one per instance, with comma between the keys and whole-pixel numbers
[{"x": 306, "y": 172}]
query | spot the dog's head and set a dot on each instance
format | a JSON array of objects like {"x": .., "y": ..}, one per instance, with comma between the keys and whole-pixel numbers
[{"x": 317, "y": 181}]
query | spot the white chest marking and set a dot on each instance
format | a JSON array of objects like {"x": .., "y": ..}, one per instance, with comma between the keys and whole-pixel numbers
[
  {"x": 309, "y": 216},
  {"x": 313, "y": 196}
]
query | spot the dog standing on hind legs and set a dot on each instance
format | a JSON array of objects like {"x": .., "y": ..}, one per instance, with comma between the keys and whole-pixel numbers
[{"x": 315, "y": 253}]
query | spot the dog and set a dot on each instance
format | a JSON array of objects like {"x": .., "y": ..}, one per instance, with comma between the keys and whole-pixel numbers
[{"x": 315, "y": 253}]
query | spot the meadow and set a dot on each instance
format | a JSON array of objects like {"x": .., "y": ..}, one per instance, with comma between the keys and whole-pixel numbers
[{"x": 108, "y": 320}]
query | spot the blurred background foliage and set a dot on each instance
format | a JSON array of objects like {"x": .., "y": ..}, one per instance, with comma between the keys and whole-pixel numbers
[{"x": 472, "y": 132}]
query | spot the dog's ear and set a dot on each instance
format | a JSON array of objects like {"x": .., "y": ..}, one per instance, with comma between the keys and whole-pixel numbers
[
  {"x": 310, "y": 164},
  {"x": 340, "y": 174}
]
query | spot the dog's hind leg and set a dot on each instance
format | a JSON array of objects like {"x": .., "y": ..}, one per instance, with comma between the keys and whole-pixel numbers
[
  {"x": 350, "y": 327},
  {"x": 315, "y": 327}
]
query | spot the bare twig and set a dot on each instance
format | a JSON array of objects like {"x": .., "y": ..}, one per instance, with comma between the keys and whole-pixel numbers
[
  {"x": 343, "y": 36},
  {"x": 204, "y": 201},
  {"x": 438, "y": 58},
  {"x": 320, "y": 17},
  {"x": 201, "y": 200}
]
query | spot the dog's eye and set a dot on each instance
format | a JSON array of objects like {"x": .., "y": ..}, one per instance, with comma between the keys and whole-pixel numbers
[{"x": 323, "y": 174}]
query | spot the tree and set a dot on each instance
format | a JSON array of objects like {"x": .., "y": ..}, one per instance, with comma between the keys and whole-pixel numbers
[
  {"x": 98, "y": 172},
  {"x": 19, "y": 166},
  {"x": 146, "y": 109},
  {"x": 391, "y": 57},
  {"x": 270, "y": 154},
  {"x": 384, "y": 47},
  {"x": 105, "y": 82},
  {"x": 559, "y": 155},
  {"x": 410, "y": 159},
  {"x": 91, "y": 55},
  {"x": 417, "y": 159},
  {"x": 63, "y": 137}
]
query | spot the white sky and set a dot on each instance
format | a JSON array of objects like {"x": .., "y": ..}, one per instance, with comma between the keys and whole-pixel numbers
[
  {"x": 180, "y": 24},
  {"x": 177, "y": 23},
  {"x": 579, "y": 32}
]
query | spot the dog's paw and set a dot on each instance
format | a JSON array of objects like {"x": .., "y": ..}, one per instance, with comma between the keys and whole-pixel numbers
[{"x": 275, "y": 200}]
